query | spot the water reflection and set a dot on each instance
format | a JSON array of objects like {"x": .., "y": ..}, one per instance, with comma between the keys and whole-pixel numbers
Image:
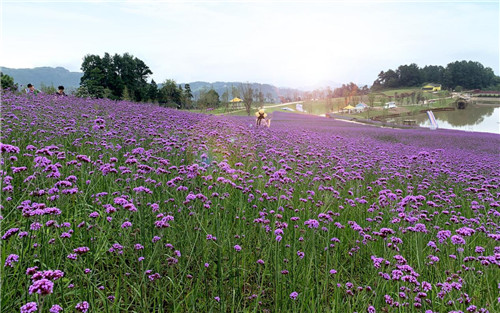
[
  {"x": 474, "y": 118},
  {"x": 477, "y": 118}
]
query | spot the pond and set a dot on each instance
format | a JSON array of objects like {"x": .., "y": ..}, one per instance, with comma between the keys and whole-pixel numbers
[{"x": 475, "y": 118}]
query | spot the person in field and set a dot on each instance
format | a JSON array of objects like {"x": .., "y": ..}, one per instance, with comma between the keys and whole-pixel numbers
[
  {"x": 261, "y": 115},
  {"x": 60, "y": 91},
  {"x": 31, "y": 90}
]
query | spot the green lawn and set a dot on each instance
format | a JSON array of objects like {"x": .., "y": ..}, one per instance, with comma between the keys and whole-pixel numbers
[{"x": 323, "y": 106}]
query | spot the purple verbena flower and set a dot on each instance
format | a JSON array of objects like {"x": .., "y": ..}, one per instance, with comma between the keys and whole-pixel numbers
[
  {"x": 29, "y": 307},
  {"x": 11, "y": 259},
  {"x": 82, "y": 306},
  {"x": 56, "y": 308}
]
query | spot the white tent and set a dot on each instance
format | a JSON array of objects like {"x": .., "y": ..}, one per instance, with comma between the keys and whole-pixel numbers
[{"x": 361, "y": 107}]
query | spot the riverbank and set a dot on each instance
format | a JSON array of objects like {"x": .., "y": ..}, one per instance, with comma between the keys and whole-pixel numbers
[
  {"x": 370, "y": 122},
  {"x": 482, "y": 101}
]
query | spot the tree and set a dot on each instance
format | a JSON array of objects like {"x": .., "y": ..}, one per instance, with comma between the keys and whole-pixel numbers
[
  {"x": 269, "y": 97},
  {"x": 371, "y": 99},
  {"x": 260, "y": 98},
  {"x": 208, "y": 99},
  {"x": 7, "y": 82},
  {"x": 432, "y": 74},
  {"x": 153, "y": 91},
  {"x": 115, "y": 73},
  {"x": 169, "y": 94},
  {"x": 182, "y": 103},
  {"x": 413, "y": 97},
  {"x": 364, "y": 90},
  {"x": 420, "y": 97},
  {"x": 389, "y": 79},
  {"x": 126, "y": 94},
  {"x": 94, "y": 76},
  {"x": 247, "y": 96},
  {"x": 82, "y": 92},
  {"x": 188, "y": 95},
  {"x": 409, "y": 75},
  {"x": 225, "y": 99},
  {"x": 235, "y": 92},
  {"x": 468, "y": 74}
]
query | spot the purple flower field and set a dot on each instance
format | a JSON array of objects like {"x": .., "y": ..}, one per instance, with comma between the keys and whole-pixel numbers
[{"x": 125, "y": 207}]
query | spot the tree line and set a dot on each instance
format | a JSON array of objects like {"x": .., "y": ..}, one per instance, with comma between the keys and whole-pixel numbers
[
  {"x": 125, "y": 77},
  {"x": 456, "y": 75}
]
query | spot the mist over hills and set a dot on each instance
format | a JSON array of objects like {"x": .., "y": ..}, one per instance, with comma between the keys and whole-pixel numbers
[
  {"x": 55, "y": 76},
  {"x": 48, "y": 76}
]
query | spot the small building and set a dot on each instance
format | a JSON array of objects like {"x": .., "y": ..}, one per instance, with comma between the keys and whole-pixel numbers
[
  {"x": 390, "y": 105},
  {"x": 360, "y": 107},
  {"x": 432, "y": 87}
]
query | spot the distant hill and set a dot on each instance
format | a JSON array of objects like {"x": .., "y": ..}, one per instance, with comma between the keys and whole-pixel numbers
[
  {"x": 44, "y": 75},
  {"x": 71, "y": 80}
]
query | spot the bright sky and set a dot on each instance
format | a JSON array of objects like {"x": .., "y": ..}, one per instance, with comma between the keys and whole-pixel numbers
[{"x": 285, "y": 43}]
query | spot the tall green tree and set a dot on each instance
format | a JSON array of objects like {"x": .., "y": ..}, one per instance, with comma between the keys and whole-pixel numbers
[
  {"x": 7, "y": 82},
  {"x": 432, "y": 74},
  {"x": 115, "y": 73},
  {"x": 188, "y": 96},
  {"x": 468, "y": 74},
  {"x": 208, "y": 99},
  {"x": 388, "y": 79},
  {"x": 225, "y": 99},
  {"x": 94, "y": 76},
  {"x": 169, "y": 94},
  {"x": 409, "y": 75},
  {"x": 153, "y": 91}
]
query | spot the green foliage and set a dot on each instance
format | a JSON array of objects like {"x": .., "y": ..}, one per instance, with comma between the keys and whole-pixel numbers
[
  {"x": 420, "y": 97},
  {"x": 7, "y": 82},
  {"x": 170, "y": 95},
  {"x": 235, "y": 92},
  {"x": 208, "y": 99},
  {"x": 432, "y": 73},
  {"x": 468, "y": 74},
  {"x": 409, "y": 75},
  {"x": 153, "y": 91},
  {"x": 188, "y": 96},
  {"x": 83, "y": 92},
  {"x": 48, "y": 89},
  {"x": 115, "y": 73},
  {"x": 371, "y": 99},
  {"x": 126, "y": 94},
  {"x": 260, "y": 97},
  {"x": 348, "y": 90},
  {"x": 247, "y": 94}
]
